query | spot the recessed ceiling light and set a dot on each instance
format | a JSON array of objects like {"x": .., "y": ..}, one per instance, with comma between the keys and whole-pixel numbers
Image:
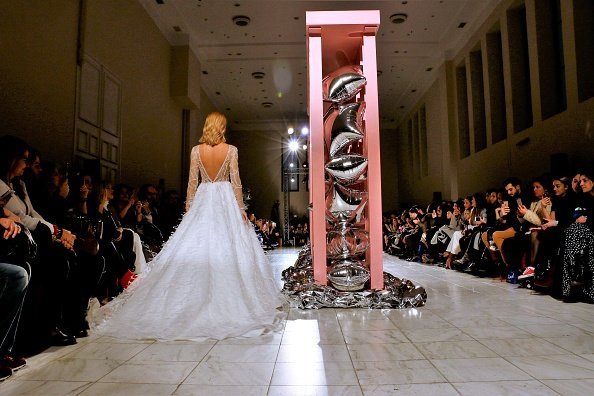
[
  {"x": 160, "y": 2},
  {"x": 413, "y": 90},
  {"x": 177, "y": 29},
  {"x": 241, "y": 20},
  {"x": 461, "y": 25},
  {"x": 204, "y": 72},
  {"x": 258, "y": 75},
  {"x": 218, "y": 93},
  {"x": 379, "y": 73},
  {"x": 236, "y": 4},
  {"x": 398, "y": 18},
  {"x": 267, "y": 104},
  {"x": 429, "y": 69}
]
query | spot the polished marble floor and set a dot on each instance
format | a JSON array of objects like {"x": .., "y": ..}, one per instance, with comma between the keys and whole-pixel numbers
[{"x": 474, "y": 336}]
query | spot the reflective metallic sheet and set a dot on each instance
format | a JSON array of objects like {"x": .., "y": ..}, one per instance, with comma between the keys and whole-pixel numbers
[{"x": 302, "y": 292}]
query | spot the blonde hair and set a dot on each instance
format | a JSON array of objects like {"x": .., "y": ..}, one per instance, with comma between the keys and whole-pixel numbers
[{"x": 213, "y": 132}]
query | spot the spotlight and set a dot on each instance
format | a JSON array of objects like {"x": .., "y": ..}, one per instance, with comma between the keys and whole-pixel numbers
[
  {"x": 293, "y": 145},
  {"x": 291, "y": 165},
  {"x": 290, "y": 131},
  {"x": 305, "y": 147},
  {"x": 305, "y": 164},
  {"x": 304, "y": 130},
  {"x": 292, "y": 180}
]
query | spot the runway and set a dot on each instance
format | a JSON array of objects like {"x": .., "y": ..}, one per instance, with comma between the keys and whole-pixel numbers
[{"x": 474, "y": 336}]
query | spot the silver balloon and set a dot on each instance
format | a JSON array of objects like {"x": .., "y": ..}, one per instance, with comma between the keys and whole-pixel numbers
[
  {"x": 347, "y": 168},
  {"x": 348, "y": 275},
  {"x": 346, "y": 126},
  {"x": 341, "y": 219},
  {"x": 347, "y": 242},
  {"x": 343, "y": 84},
  {"x": 350, "y": 195}
]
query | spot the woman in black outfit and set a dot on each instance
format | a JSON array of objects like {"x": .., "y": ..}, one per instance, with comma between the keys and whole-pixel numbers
[{"x": 578, "y": 246}]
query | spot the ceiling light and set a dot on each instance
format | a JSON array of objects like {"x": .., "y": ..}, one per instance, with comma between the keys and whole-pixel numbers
[
  {"x": 267, "y": 104},
  {"x": 177, "y": 29},
  {"x": 292, "y": 180},
  {"x": 305, "y": 147},
  {"x": 304, "y": 130},
  {"x": 241, "y": 20},
  {"x": 398, "y": 18},
  {"x": 293, "y": 145},
  {"x": 461, "y": 25},
  {"x": 291, "y": 165},
  {"x": 290, "y": 131},
  {"x": 258, "y": 75}
]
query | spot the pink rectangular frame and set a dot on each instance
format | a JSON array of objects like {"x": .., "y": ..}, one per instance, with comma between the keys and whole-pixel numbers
[{"x": 352, "y": 35}]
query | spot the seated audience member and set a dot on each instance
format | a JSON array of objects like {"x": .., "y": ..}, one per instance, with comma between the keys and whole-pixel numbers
[
  {"x": 171, "y": 211},
  {"x": 538, "y": 214},
  {"x": 454, "y": 223},
  {"x": 578, "y": 246},
  {"x": 477, "y": 223},
  {"x": 509, "y": 219},
  {"x": 147, "y": 227},
  {"x": 116, "y": 246},
  {"x": 56, "y": 258},
  {"x": 453, "y": 247},
  {"x": 436, "y": 242},
  {"x": 545, "y": 262},
  {"x": 575, "y": 184},
  {"x": 127, "y": 211},
  {"x": 14, "y": 279},
  {"x": 33, "y": 179}
]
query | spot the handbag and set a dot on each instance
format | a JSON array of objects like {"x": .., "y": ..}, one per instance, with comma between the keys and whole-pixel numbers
[
  {"x": 18, "y": 250},
  {"x": 87, "y": 233}
]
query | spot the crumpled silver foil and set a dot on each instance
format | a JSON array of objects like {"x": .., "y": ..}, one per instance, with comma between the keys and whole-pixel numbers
[{"x": 303, "y": 293}]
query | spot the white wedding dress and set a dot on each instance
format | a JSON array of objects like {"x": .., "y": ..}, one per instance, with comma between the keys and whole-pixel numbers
[{"x": 211, "y": 279}]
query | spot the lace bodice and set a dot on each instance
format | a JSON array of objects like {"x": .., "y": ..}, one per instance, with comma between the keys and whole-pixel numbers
[{"x": 228, "y": 171}]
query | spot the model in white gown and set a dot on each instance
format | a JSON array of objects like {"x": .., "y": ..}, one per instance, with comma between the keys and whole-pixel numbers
[{"x": 211, "y": 280}]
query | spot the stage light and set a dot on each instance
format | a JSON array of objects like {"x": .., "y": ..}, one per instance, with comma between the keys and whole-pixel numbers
[
  {"x": 290, "y": 131},
  {"x": 305, "y": 147},
  {"x": 291, "y": 165},
  {"x": 304, "y": 130},
  {"x": 292, "y": 180},
  {"x": 293, "y": 145}
]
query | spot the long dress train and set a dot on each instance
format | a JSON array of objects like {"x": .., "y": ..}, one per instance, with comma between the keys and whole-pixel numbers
[{"x": 211, "y": 279}]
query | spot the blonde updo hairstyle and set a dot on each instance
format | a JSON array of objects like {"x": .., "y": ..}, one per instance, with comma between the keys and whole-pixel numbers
[{"x": 213, "y": 132}]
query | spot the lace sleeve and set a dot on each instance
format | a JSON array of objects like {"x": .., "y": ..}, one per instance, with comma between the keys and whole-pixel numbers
[
  {"x": 234, "y": 178},
  {"x": 194, "y": 178}
]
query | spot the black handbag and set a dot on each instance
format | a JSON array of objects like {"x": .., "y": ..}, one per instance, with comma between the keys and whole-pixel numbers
[{"x": 18, "y": 250}]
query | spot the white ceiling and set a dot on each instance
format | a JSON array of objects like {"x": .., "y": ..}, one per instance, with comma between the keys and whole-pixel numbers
[{"x": 274, "y": 43}]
